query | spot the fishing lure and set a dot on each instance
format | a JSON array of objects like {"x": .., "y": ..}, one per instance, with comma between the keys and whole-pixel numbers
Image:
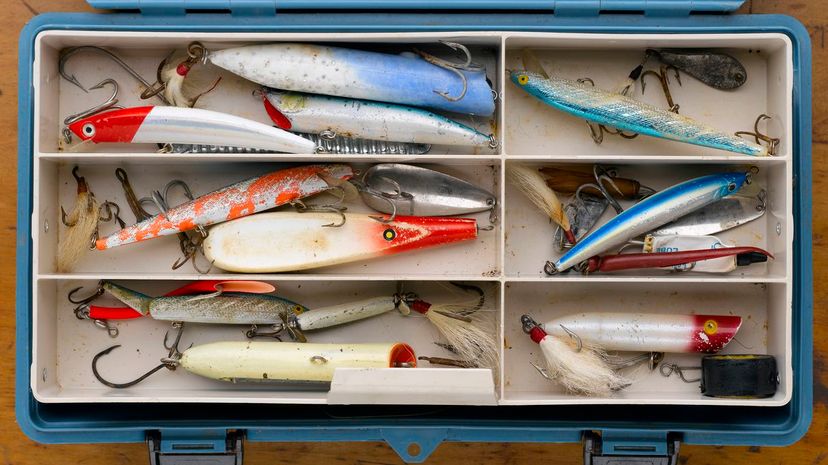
[
  {"x": 235, "y": 201},
  {"x": 529, "y": 182},
  {"x": 175, "y": 80},
  {"x": 676, "y": 243},
  {"x": 416, "y": 191},
  {"x": 724, "y": 214},
  {"x": 627, "y": 114},
  {"x": 291, "y": 241},
  {"x": 583, "y": 212},
  {"x": 569, "y": 181},
  {"x": 652, "y": 212},
  {"x": 715, "y": 69},
  {"x": 742, "y": 256},
  {"x": 321, "y": 114},
  {"x": 178, "y": 125},
  {"x": 81, "y": 223},
  {"x": 406, "y": 79},
  {"x": 646, "y": 332},
  {"x": 324, "y": 144},
  {"x": 273, "y": 362},
  {"x": 752, "y": 376}
]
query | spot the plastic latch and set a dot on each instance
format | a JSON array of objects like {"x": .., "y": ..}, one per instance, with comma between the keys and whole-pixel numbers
[
  {"x": 630, "y": 448},
  {"x": 195, "y": 447}
]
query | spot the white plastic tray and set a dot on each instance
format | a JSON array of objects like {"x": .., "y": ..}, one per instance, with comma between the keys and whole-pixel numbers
[{"x": 508, "y": 259}]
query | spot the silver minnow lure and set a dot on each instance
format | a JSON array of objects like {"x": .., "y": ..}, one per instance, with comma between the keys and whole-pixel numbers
[
  {"x": 309, "y": 113},
  {"x": 418, "y": 191},
  {"x": 626, "y": 114},
  {"x": 228, "y": 308},
  {"x": 652, "y": 212}
]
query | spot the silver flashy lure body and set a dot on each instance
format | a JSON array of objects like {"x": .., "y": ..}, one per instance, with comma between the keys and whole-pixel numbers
[{"x": 624, "y": 113}]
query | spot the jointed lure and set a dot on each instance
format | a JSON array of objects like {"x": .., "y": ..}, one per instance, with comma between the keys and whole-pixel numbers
[
  {"x": 180, "y": 125},
  {"x": 648, "y": 332},
  {"x": 290, "y": 241},
  {"x": 411, "y": 190},
  {"x": 626, "y": 114},
  {"x": 273, "y": 362},
  {"x": 406, "y": 79},
  {"x": 321, "y": 114},
  {"x": 235, "y": 201},
  {"x": 652, "y": 212}
]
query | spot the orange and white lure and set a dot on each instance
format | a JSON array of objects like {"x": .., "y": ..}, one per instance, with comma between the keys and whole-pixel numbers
[
  {"x": 291, "y": 241},
  {"x": 241, "y": 199}
]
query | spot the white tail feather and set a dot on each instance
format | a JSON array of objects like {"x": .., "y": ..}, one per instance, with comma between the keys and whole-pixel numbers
[
  {"x": 76, "y": 239},
  {"x": 585, "y": 372},
  {"x": 530, "y": 182},
  {"x": 474, "y": 341}
]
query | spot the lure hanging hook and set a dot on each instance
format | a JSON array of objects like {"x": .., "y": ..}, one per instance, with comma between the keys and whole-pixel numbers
[
  {"x": 170, "y": 362},
  {"x": 771, "y": 142},
  {"x": 664, "y": 79},
  {"x": 456, "y": 68},
  {"x": 596, "y": 131},
  {"x": 68, "y": 53}
]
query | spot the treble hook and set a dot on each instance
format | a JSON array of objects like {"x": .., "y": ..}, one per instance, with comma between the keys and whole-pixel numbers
[
  {"x": 574, "y": 336},
  {"x": 602, "y": 175},
  {"x": 99, "y": 291},
  {"x": 301, "y": 207},
  {"x": 110, "y": 103},
  {"x": 456, "y": 68},
  {"x": 132, "y": 199},
  {"x": 170, "y": 362},
  {"x": 596, "y": 131},
  {"x": 67, "y": 53},
  {"x": 113, "y": 211},
  {"x": 663, "y": 78},
  {"x": 759, "y": 137},
  {"x": 82, "y": 309}
]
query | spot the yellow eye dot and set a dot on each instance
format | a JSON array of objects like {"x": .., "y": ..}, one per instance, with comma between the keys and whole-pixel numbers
[
  {"x": 389, "y": 234},
  {"x": 711, "y": 327},
  {"x": 523, "y": 79}
]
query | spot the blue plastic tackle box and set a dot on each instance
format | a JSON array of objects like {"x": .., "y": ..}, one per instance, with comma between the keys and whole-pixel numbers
[{"x": 54, "y": 401}]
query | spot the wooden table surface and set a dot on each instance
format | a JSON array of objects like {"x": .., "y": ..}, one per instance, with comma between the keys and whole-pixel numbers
[{"x": 15, "y": 448}]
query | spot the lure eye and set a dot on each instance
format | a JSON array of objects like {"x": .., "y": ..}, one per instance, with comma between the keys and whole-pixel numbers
[
  {"x": 88, "y": 130},
  {"x": 731, "y": 187},
  {"x": 297, "y": 309},
  {"x": 523, "y": 79},
  {"x": 389, "y": 234},
  {"x": 711, "y": 327}
]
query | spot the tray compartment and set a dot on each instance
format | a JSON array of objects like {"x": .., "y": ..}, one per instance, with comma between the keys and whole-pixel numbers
[
  {"x": 534, "y": 128},
  {"x": 56, "y": 187},
  {"x": 529, "y": 232},
  {"x": 233, "y": 94},
  {"x": 765, "y": 330},
  {"x": 65, "y": 345}
]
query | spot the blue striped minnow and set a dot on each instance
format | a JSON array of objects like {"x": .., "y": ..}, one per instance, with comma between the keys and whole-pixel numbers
[
  {"x": 626, "y": 114},
  {"x": 652, "y": 212}
]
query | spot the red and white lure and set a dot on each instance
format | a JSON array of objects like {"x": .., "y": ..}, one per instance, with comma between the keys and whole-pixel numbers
[
  {"x": 292, "y": 241},
  {"x": 177, "y": 125},
  {"x": 240, "y": 199}
]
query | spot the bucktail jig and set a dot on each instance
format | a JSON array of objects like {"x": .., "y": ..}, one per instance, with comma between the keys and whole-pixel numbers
[
  {"x": 235, "y": 201},
  {"x": 407, "y": 79},
  {"x": 175, "y": 82},
  {"x": 267, "y": 242},
  {"x": 272, "y": 362},
  {"x": 627, "y": 114},
  {"x": 177, "y": 125},
  {"x": 530, "y": 182},
  {"x": 321, "y": 114},
  {"x": 650, "y": 213},
  {"x": 396, "y": 188}
]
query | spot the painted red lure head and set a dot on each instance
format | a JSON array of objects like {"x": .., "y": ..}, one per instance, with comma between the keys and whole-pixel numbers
[
  {"x": 714, "y": 332},
  {"x": 111, "y": 126}
]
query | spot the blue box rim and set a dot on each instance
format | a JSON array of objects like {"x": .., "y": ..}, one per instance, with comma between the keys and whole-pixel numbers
[{"x": 38, "y": 423}]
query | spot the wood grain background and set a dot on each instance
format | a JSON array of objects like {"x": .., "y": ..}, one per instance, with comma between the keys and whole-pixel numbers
[{"x": 17, "y": 449}]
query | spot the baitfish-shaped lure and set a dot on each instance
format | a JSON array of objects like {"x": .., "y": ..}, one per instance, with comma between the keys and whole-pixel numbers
[
  {"x": 406, "y": 79},
  {"x": 626, "y": 114},
  {"x": 646, "y": 332},
  {"x": 715, "y": 69},
  {"x": 240, "y": 199},
  {"x": 291, "y": 241},
  {"x": 309, "y": 113},
  {"x": 652, "y": 212},
  {"x": 178, "y": 125}
]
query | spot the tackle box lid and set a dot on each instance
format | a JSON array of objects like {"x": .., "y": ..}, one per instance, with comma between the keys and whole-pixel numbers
[
  {"x": 562, "y": 7},
  {"x": 609, "y": 433}
]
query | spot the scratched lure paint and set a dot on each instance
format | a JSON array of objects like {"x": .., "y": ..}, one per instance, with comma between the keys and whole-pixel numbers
[{"x": 235, "y": 201}]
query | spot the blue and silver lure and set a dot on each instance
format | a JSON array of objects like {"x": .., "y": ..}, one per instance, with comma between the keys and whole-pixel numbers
[
  {"x": 652, "y": 212},
  {"x": 626, "y": 114}
]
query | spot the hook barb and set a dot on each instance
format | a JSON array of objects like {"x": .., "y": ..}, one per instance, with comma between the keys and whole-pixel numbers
[{"x": 107, "y": 383}]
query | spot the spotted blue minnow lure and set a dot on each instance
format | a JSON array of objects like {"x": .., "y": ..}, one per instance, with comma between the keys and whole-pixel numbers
[
  {"x": 652, "y": 212},
  {"x": 626, "y": 114}
]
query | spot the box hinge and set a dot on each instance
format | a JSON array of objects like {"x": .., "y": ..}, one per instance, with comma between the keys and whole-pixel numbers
[
  {"x": 195, "y": 447},
  {"x": 619, "y": 447}
]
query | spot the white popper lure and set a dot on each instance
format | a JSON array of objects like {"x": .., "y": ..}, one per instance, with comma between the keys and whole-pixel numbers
[
  {"x": 275, "y": 362},
  {"x": 176, "y": 125},
  {"x": 365, "y": 119}
]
